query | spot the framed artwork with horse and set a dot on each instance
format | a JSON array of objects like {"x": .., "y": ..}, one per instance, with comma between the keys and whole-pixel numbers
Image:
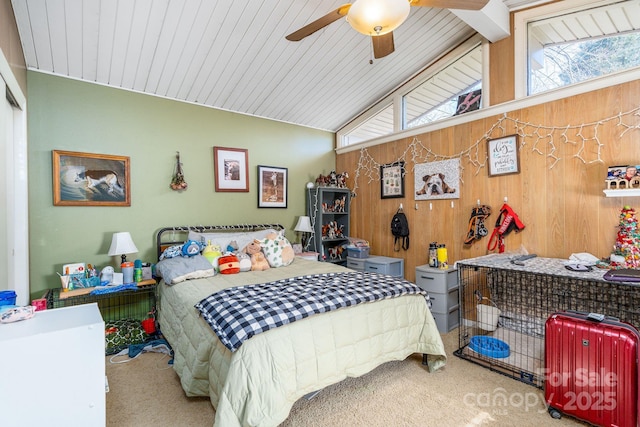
[{"x": 86, "y": 179}]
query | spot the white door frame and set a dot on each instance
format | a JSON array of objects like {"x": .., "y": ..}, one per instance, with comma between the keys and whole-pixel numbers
[{"x": 15, "y": 177}]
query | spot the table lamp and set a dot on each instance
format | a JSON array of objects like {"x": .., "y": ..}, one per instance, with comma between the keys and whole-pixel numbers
[
  {"x": 122, "y": 244},
  {"x": 304, "y": 226}
]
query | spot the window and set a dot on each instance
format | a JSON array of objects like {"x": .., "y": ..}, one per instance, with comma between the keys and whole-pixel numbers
[
  {"x": 379, "y": 124},
  {"x": 437, "y": 97},
  {"x": 578, "y": 45},
  {"x": 432, "y": 95}
]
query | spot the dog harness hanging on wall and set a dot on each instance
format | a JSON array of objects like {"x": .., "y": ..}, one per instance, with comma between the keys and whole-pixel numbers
[
  {"x": 507, "y": 222},
  {"x": 400, "y": 231},
  {"x": 477, "y": 229}
]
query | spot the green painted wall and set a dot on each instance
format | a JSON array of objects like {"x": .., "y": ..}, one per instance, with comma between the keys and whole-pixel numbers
[{"x": 65, "y": 114}]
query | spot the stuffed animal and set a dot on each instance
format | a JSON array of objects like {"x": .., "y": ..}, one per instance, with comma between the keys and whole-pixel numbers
[
  {"x": 191, "y": 248},
  {"x": 245, "y": 261},
  {"x": 258, "y": 261},
  {"x": 277, "y": 249},
  {"x": 212, "y": 253},
  {"x": 229, "y": 264},
  {"x": 232, "y": 247}
]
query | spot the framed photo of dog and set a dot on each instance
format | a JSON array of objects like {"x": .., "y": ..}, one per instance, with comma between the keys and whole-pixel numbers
[
  {"x": 504, "y": 155},
  {"x": 437, "y": 180},
  {"x": 392, "y": 180},
  {"x": 86, "y": 179}
]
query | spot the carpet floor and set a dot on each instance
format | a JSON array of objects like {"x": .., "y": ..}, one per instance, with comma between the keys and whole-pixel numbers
[{"x": 146, "y": 392}]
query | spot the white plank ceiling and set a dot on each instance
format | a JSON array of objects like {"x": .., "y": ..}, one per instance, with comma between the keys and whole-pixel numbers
[{"x": 232, "y": 55}]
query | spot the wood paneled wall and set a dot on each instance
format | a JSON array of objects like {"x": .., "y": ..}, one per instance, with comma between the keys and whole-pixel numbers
[{"x": 560, "y": 201}]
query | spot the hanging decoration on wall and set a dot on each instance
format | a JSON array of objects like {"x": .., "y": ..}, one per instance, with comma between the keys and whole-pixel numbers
[
  {"x": 437, "y": 180},
  {"x": 538, "y": 138},
  {"x": 177, "y": 182}
]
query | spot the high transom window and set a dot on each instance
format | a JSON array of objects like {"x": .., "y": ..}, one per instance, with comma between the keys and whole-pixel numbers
[{"x": 580, "y": 45}]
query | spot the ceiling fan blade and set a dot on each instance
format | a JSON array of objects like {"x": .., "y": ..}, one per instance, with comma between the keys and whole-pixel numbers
[
  {"x": 382, "y": 45},
  {"x": 451, "y": 4},
  {"x": 319, "y": 24}
]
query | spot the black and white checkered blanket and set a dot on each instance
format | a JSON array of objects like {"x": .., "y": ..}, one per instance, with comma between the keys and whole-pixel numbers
[{"x": 236, "y": 314}]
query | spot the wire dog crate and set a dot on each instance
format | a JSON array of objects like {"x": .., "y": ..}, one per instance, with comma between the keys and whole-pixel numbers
[
  {"x": 123, "y": 309},
  {"x": 511, "y": 303}
]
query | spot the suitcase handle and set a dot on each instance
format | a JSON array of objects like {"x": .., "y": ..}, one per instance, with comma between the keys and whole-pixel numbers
[{"x": 594, "y": 317}]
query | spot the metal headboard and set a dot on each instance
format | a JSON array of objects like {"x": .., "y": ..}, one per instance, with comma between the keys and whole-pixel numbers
[{"x": 179, "y": 233}]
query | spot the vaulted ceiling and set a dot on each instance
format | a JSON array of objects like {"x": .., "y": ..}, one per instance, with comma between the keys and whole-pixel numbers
[{"x": 233, "y": 55}]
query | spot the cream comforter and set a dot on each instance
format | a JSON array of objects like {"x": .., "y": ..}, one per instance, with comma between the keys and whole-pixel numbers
[{"x": 258, "y": 384}]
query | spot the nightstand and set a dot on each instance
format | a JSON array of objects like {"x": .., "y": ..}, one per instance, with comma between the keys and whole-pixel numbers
[{"x": 442, "y": 285}]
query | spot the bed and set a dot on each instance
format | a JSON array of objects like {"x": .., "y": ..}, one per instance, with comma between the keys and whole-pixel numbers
[{"x": 257, "y": 384}]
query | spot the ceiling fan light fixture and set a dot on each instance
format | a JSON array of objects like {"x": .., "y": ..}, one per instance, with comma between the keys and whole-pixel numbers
[{"x": 377, "y": 17}]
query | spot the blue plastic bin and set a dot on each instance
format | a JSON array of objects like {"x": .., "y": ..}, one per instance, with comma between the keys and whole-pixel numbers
[{"x": 7, "y": 297}]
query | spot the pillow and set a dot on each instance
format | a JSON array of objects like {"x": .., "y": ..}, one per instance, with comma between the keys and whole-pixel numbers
[
  {"x": 222, "y": 239},
  {"x": 179, "y": 269},
  {"x": 277, "y": 250}
]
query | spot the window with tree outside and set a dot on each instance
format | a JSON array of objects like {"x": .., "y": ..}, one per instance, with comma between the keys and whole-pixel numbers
[{"x": 579, "y": 46}]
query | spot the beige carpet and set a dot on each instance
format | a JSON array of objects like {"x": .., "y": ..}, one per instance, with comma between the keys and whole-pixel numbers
[{"x": 145, "y": 392}]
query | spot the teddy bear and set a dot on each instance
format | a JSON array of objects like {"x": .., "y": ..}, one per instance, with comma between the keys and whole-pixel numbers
[{"x": 258, "y": 261}]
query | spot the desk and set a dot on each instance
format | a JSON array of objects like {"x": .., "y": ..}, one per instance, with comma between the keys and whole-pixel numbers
[{"x": 526, "y": 296}]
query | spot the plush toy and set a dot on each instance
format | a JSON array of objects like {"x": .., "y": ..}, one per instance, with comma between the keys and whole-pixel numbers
[
  {"x": 191, "y": 248},
  {"x": 245, "y": 261},
  {"x": 232, "y": 247},
  {"x": 277, "y": 249},
  {"x": 212, "y": 253},
  {"x": 229, "y": 264},
  {"x": 258, "y": 261}
]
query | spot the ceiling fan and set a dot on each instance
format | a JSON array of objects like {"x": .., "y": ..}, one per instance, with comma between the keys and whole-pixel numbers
[{"x": 378, "y": 19}]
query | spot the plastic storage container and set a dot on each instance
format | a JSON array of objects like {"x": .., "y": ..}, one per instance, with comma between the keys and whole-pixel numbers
[
  {"x": 7, "y": 297},
  {"x": 358, "y": 252}
]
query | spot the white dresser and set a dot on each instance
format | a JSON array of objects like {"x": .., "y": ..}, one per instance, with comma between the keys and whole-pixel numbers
[{"x": 52, "y": 369}]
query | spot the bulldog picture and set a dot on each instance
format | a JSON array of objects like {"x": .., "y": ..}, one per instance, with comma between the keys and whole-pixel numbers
[{"x": 435, "y": 185}]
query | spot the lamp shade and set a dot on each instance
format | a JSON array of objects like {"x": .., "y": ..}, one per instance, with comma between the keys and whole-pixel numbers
[
  {"x": 377, "y": 17},
  {"x": 121, "y": 244},
  {"x": 304, "y": 225}
]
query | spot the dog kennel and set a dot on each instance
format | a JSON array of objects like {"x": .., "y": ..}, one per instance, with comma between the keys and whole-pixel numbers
[{"x": 511, "y": 303}]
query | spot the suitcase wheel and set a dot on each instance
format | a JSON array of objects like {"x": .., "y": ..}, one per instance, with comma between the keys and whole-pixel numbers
[{"x": 555, "y": 414}]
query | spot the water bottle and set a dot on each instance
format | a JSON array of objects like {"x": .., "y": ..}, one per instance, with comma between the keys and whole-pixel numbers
[
  {"x": 442, "y": 257},
  {"x": 433, "y": 254},
  {"x": 137, "y": 271},
  {"x": 127, "y": 272}
]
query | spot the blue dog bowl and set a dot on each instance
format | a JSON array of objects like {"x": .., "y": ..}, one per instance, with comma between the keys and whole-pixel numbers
[{"x": 489, "y": 346}]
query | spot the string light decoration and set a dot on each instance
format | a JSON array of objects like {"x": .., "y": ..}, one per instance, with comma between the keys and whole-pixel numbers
[{"x": 535, "y": 137}]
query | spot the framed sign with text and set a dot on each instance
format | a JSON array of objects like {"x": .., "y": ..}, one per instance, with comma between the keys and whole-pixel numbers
[{"x": 503, "y": 155}]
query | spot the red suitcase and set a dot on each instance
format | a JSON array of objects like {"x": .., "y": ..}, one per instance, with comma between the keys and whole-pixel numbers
[{"x": 592, "y": 368}]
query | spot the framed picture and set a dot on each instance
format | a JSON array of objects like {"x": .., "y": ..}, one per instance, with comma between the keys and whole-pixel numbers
[
  {"x": 231, "y": 170},
  {"x": 437, "y": 180},
  {"x": 623, "y": 172},
  {"x": 272, "y": 187},
  {"x": 504, "y": 155},
  {"x": 469, "y": 102},
  {"x": 85, "y": 179},
  {"x": 392, "y": 180}
]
